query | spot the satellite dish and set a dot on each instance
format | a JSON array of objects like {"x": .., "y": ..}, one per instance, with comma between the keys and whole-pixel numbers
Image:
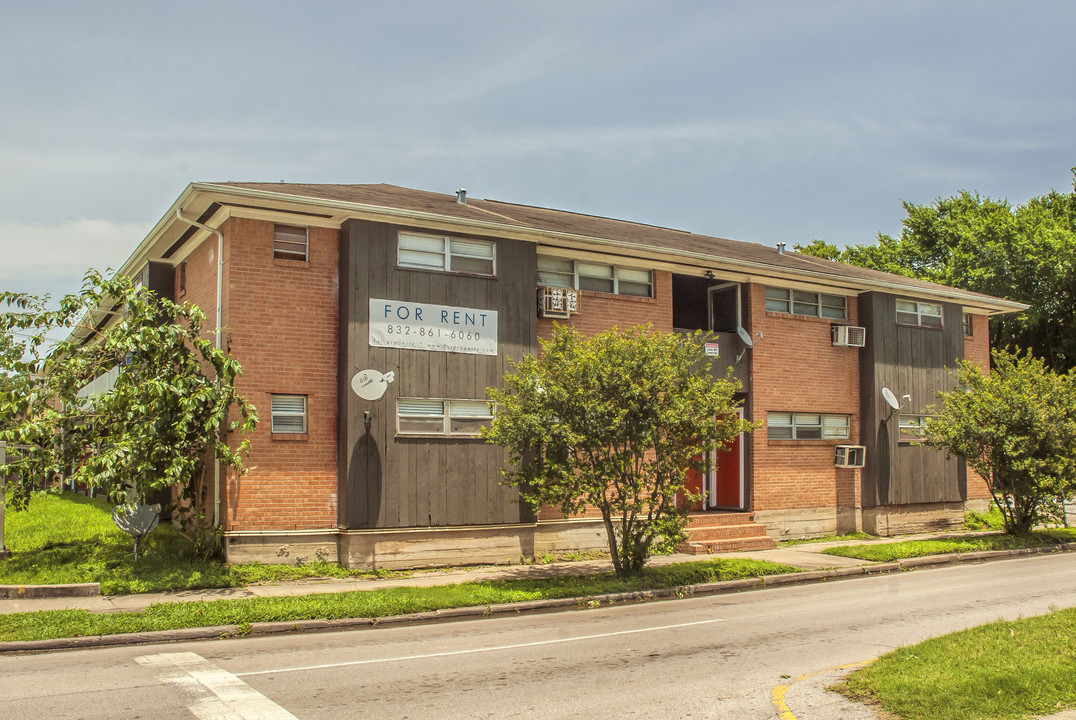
[
  {"x": 745, "y": 337},
  {"x": 371, "y": 384},
  {"x": 890, "y": 398}
]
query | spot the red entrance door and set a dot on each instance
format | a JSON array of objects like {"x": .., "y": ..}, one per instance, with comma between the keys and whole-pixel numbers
[{"x": 727, "y": 484}]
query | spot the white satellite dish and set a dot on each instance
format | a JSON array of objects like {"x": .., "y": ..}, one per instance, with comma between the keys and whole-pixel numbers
[
  {"x": 371, "y": 384},
  {"x": 890, "y": 398},
  {"x": 745, "y": 337}
]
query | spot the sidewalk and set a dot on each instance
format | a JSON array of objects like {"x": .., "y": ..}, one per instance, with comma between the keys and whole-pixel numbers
[{"x": 807, "y": 556}]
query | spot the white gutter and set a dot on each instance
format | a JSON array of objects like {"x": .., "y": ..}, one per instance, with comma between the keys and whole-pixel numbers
[{"x": 220, "y": 296}]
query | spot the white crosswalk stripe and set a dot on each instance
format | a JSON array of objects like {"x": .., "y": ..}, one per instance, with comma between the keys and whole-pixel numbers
[{"x": 210, "y": 692}]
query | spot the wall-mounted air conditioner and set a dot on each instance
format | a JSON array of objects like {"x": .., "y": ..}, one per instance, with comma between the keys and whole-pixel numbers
[
  {"x": 849, "y": 335},
  {"x": 849, "y": 456},
  {"x": 555, "y": 302}
]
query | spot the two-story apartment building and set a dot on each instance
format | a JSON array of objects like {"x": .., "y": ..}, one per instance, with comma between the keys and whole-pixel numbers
[{"x": 370, "y": 319}]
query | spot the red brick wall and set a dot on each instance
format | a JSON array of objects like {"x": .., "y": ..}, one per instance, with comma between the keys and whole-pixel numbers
[
  {"x": 796, "y": 368},
  {"x": 977, "y": 350},
  {"x": 281, "y": 318},
  {"x": 601, "y": 311}
]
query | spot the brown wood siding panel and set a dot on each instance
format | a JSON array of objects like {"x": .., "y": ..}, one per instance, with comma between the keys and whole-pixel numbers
[
  {"x": 408, "y": 481},
  {"x": 913, "y": 361},
  {"x": 868, "y": 408}
]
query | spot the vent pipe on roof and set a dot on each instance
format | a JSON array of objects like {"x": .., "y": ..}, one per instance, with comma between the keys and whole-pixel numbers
[
  {"x": 461, "y": 196},
  {"x": 780, "y": 248}
]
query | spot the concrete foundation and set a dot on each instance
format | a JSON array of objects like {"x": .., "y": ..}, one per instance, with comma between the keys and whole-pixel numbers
[
  {"x": 904, "y": 519},
  {"x": 282, "y": 548},
  {"x": 849, "y": 520},
  {"x": 798, "y": 523},
  {"x": 419, "y": 547}
]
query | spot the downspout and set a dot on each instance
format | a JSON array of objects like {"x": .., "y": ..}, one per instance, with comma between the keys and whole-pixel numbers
[{"x": 220, "y": 295}]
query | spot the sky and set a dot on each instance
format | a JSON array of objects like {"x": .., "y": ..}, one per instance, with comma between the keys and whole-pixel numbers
[{"x": 777, "y": 121}]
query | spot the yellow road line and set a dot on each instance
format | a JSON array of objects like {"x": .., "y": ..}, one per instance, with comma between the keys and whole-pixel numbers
[{"x": 777, "y": 697}]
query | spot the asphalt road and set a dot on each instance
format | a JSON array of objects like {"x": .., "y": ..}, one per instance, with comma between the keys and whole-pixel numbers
[{"x": 714, "y": 657}]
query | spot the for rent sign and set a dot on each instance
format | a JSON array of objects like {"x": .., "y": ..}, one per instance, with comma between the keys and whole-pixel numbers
[{"x": 441, "y": 328}]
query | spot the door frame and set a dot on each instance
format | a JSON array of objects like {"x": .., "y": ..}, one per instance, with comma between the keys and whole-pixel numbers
[
  {"x": 711, "y": 477},
  {"x": 714, "y": 289}
]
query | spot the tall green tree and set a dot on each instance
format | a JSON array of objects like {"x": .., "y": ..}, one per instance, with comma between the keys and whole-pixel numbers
[
  {"x": 1025, "y": 253},
  {"x": 155, "y": 427},
  {"x": 1017, "y": 428},
  {"x": 614, "y": 422}
]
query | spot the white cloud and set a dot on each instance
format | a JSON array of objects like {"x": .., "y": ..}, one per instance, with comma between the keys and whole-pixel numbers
[{"x": 30, "y": 251}]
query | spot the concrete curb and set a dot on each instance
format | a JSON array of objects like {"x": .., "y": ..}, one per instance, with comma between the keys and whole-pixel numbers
[
  {"x": 49, "y": 591},
  {"x": 531, "y": 606}
]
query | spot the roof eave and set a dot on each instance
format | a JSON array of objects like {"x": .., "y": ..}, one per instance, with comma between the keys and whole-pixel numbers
[{"x": 379, "y": 212}]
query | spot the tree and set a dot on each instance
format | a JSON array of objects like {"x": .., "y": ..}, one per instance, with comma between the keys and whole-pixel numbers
[
  {"x": 152, "y": 429},
  {"x": 1025, "y": 253},
  {"x": 8, "y": 356},
  {"x": 614, "y": 422},
  {"x": 1017, "y": 428}
]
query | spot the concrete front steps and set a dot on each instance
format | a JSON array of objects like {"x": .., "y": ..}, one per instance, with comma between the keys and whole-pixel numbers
[{"x": 718, "y": 532}]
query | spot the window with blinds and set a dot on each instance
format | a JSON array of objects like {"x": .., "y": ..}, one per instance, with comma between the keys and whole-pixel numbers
[
  {"x": 422, "y": 416},
  {"x": 290, "y": 243},
  {"x": 447, "y": 254},
  {"x": 807, "y": 304},
  {"x": 807, "y": 426},
  {"x": 288, "y": 413},
  {"x": 919, "y": 314},
  {"x": 597, "y": 277}
]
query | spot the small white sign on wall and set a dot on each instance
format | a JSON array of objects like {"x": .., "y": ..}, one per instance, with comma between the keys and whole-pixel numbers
[{"x": 440, "y": 328}]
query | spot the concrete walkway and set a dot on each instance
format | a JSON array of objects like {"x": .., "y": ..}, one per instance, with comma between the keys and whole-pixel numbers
[{"x": 807, "y": 556}]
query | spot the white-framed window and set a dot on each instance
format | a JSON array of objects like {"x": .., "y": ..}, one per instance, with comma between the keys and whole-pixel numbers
[
  {"x": 807, "y": 426},
  {"x": 426, "y": 416},
  {"x": 808, "y": 304},
  {"x": 919, "y": 314},
  {"x": 288, "y": 414},
  {"x": 598, "y": 277},
  {"x": 912, "y": 427},
  {"x": 447, "y": 254},
  {"x": 969, "y": 325},
  {"x": 291, "y": 243}
]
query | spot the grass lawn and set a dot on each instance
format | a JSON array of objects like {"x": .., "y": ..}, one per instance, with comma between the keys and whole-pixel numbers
[
  {"x": 369, "y": 603},
  {"x": 1002, "y": 670},
  {"x": 887, "y": 552},
  {"x": 71, "y": 539}
]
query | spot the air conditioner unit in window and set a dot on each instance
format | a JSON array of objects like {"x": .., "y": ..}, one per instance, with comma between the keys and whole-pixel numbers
[
  {"x": 850, "y": 456},
  {"x": 555, "y": 302},
  {"x": 849, "y": 335}
]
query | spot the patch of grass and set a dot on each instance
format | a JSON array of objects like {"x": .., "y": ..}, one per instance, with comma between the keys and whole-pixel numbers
[
  {"x": 888, "y": 552},
  {"x": 371, "y": 603},
  {"x": 71, "y": 539},
  {"x": 991, "y": 520},
  {"x": 256, "y": 573},
  {"x": 827, "y": 538},
  {"x": 1005, "y": 669}
]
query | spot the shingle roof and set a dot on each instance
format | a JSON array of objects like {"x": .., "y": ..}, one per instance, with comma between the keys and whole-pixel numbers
[{"x": 622, "y": 232}]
